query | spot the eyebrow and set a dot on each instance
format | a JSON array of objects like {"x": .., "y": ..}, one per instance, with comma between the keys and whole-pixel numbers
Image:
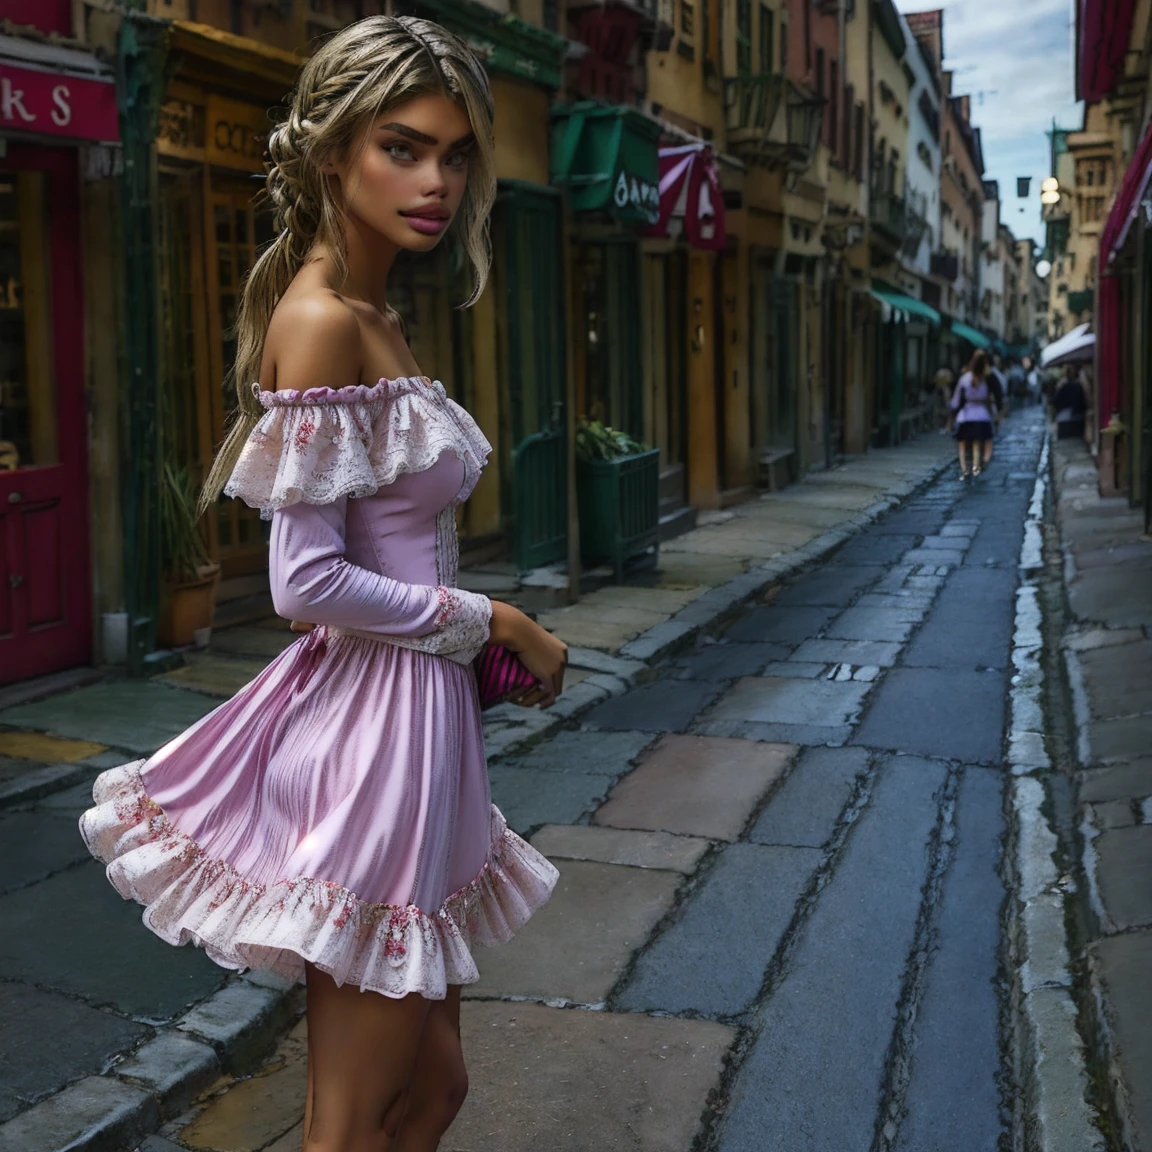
[{"x": 421, "y": 138}]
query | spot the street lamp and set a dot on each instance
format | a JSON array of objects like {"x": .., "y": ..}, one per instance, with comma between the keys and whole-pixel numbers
[{"x": 1050, "y": 191}]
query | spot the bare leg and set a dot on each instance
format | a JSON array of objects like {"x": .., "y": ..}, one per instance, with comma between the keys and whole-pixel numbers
[
  {"x": 987, "y": 452},
  {"x": 962, "y": 451},
  {"x": 439, "y": 1080},
  {"x": 361, "y": 1052}
]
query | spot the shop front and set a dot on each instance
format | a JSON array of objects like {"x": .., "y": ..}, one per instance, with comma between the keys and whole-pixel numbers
[{"x": 56, "y": 102}]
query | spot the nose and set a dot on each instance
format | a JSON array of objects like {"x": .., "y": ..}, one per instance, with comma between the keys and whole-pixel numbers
[{"x": 435, "y": 181}]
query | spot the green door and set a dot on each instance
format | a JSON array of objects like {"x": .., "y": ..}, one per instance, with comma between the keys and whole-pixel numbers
[{"x": 533, "y": 284}]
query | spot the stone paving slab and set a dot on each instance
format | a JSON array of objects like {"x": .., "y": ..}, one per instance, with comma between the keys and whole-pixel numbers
[
  {"x": 696, "y": 786},
  {"x": 953, "y": 1096},
  {"x": 137, "y": 715},
  {"x": 664, "y": 706},
  {"x": 843, "y": 984},
  {"x": 99, "y": 1113},
  {"x": 856, "y": 652},
  {"x": 529, "y": 797},
  {"x": 667, "y": 975},
  {"x": 34, "y": 845},
  {"x": 83, "y": 953},
  {"x": 252, "y": 640},
  {"x": 621, "y": 846},
  {"x": 33, "y": 748},
  {"x": 885, "y": 624},
  {"x": 876, "y": 550},
  {"x": 726, "y": 661},
  {"x": 770, "y": 624},
  {"x": 1123, "y": 963},
  {"x": 805, "y": 811},
  {"x": 220, "y": 676},
  {"x": 574, "y": 1081},
  {"x": 906, "y": 714},
  {"x": 832, "y": 586},
  {"x": 578, "y": 945},
  {"x": 805, "y": 735},
  {"x": 48, "y": 1039},
  {"x": 1118, "y": 782},
  {"x": 780, "y": 700},
  {"x": 963, "y": 634},
  {"x": 585, "y": 750},
  {"x": 1123, "y": 868},
  {"x": 256, "y": 1111},
  {"x": 1119, "y": 681}
]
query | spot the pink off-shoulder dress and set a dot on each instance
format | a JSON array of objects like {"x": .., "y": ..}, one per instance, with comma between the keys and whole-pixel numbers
[{"x": 336, "y": 810}]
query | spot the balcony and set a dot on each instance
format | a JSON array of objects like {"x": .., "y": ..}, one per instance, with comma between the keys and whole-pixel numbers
[
  {"x": 889, "y": 215},
  {"x": 944, "y": 266},
  {"x": 772, "y": 121}
]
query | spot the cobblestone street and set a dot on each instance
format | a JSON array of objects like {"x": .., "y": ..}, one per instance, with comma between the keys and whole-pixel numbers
[{"x": 781, "y": 875}]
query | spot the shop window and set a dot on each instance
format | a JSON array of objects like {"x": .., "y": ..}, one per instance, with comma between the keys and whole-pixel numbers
[
  {"x": 768, "y": 39},
  {"x": 27, "y": 379}
]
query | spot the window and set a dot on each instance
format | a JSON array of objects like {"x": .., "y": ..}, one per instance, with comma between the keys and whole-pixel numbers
[
  {"x": 858, "y": 139},
  {"x": 687, "y": 19},
  {"x": 820, "y": 90},
  {"x": 849, "y": 105},
  {"x": 834, "y": 109},
  {"x": 744, "y": 37},
  {"x": 767, "y": 39},
  {"x": 783, "y": 46}
]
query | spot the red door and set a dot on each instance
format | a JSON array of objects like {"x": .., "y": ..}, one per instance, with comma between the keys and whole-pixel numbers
[{"x": 45, "y": 607}]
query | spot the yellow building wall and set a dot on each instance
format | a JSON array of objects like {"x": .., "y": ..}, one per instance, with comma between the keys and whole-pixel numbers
[{"x": 521, "y": 130}]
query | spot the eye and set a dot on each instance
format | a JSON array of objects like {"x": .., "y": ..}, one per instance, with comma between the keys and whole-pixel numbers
[
  {"x": 399, "y": 151},
  {"x": 458, "y": 161}
]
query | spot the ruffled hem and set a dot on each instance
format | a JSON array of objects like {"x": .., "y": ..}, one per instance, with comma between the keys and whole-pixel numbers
[
  {"x": 391, "y": 949},
  {"x": 316, "y": 446}
]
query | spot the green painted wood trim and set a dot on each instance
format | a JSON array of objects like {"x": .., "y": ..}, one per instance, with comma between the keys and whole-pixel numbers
[{"x": 504, "y": 43}]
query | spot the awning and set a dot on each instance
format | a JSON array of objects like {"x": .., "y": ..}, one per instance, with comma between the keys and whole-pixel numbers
[
  {"x": 1127, "y": 203},
  {"x": 606, "y": 155},
  {"x": 908, "y": 304},
  {"x": 1075, "y": 347},
  {"x": 975, "y": 338},
  {"x": 690, "y": 193},
  {"x": 1103, "y": 31}
]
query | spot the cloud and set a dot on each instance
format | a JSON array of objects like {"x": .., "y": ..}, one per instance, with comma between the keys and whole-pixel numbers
[{"x": 1016, "y": 61}]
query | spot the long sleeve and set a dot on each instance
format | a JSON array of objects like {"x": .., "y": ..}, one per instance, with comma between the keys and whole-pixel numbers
[{"x": 312, "y": 580}]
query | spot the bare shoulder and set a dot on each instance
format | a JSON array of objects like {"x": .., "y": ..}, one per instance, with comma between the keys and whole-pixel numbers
[{"x": 313, "y": 341}]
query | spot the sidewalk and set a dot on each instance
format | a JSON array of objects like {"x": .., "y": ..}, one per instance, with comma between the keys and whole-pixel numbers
[
  {"x": 1107, "y": 647},
  {"x": 108, "y": 1031}
]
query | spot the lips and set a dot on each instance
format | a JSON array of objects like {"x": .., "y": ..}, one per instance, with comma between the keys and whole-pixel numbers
[{"x": 431, "y": 222}]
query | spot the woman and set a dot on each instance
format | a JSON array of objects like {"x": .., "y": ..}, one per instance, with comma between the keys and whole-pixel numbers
[
  {"x": 332, "y": 821},
  {"x": 974, "y": 413}
]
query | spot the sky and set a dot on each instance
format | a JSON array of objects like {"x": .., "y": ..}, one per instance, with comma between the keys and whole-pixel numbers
[{"x": 1014, "y": 57}]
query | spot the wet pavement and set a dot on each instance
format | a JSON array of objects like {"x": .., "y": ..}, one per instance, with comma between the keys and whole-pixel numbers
[{"x": 778, "y": 922}]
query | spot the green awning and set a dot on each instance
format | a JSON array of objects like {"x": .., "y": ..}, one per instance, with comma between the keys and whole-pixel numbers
[
  {"x": 907, "y": 304},
  {"x": 606, "y": 155},
  {"x": 976, "y": 339}
]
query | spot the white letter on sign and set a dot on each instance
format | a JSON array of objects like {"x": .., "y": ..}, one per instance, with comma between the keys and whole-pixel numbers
[
  {"x": 12, "y": 101},
  {"x": 62, "y": 113}
]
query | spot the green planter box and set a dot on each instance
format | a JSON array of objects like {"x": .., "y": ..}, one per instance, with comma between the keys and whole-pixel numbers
[{"x": 619, "y": 504}]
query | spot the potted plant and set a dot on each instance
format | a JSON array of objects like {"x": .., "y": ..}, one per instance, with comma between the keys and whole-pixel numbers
[
  {"x": 188, "y": 594},
  {"x": 617, "y": 494}
]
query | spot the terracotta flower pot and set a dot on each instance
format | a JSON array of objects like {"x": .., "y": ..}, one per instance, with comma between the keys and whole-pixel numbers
[{"x": 187, "y": 608}]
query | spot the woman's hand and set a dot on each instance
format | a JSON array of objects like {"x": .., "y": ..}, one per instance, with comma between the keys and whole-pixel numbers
[
  {"x": 301, "y": 626},
  {"x": 543, "y": 654}
]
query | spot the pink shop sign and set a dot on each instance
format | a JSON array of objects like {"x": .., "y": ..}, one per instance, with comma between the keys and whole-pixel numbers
[{"x": 55, "y": 104}]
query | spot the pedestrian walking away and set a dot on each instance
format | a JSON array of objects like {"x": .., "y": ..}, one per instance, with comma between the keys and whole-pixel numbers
[
  {"x": 1070, "y": 403},
  {"x": 974, "y": 411},
  {"x": 332, "y": 822}
]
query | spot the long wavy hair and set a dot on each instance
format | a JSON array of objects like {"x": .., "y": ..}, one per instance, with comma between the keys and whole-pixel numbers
[{"x": 359, "y": 74}]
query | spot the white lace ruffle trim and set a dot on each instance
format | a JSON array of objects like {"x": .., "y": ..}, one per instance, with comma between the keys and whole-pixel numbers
[
  {"x": 385, "y": 948},
  {"x": 316, "y": 446}
]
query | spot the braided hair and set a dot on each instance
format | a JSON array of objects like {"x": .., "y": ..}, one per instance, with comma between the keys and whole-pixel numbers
[{"x": 361, "y": 72}]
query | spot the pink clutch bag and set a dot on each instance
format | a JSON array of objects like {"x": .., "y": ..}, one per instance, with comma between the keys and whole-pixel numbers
[{"x": 499, "y": 674}]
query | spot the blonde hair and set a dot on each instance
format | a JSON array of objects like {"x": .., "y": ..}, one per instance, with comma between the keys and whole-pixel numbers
[{"x": 364, "y": 70}]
